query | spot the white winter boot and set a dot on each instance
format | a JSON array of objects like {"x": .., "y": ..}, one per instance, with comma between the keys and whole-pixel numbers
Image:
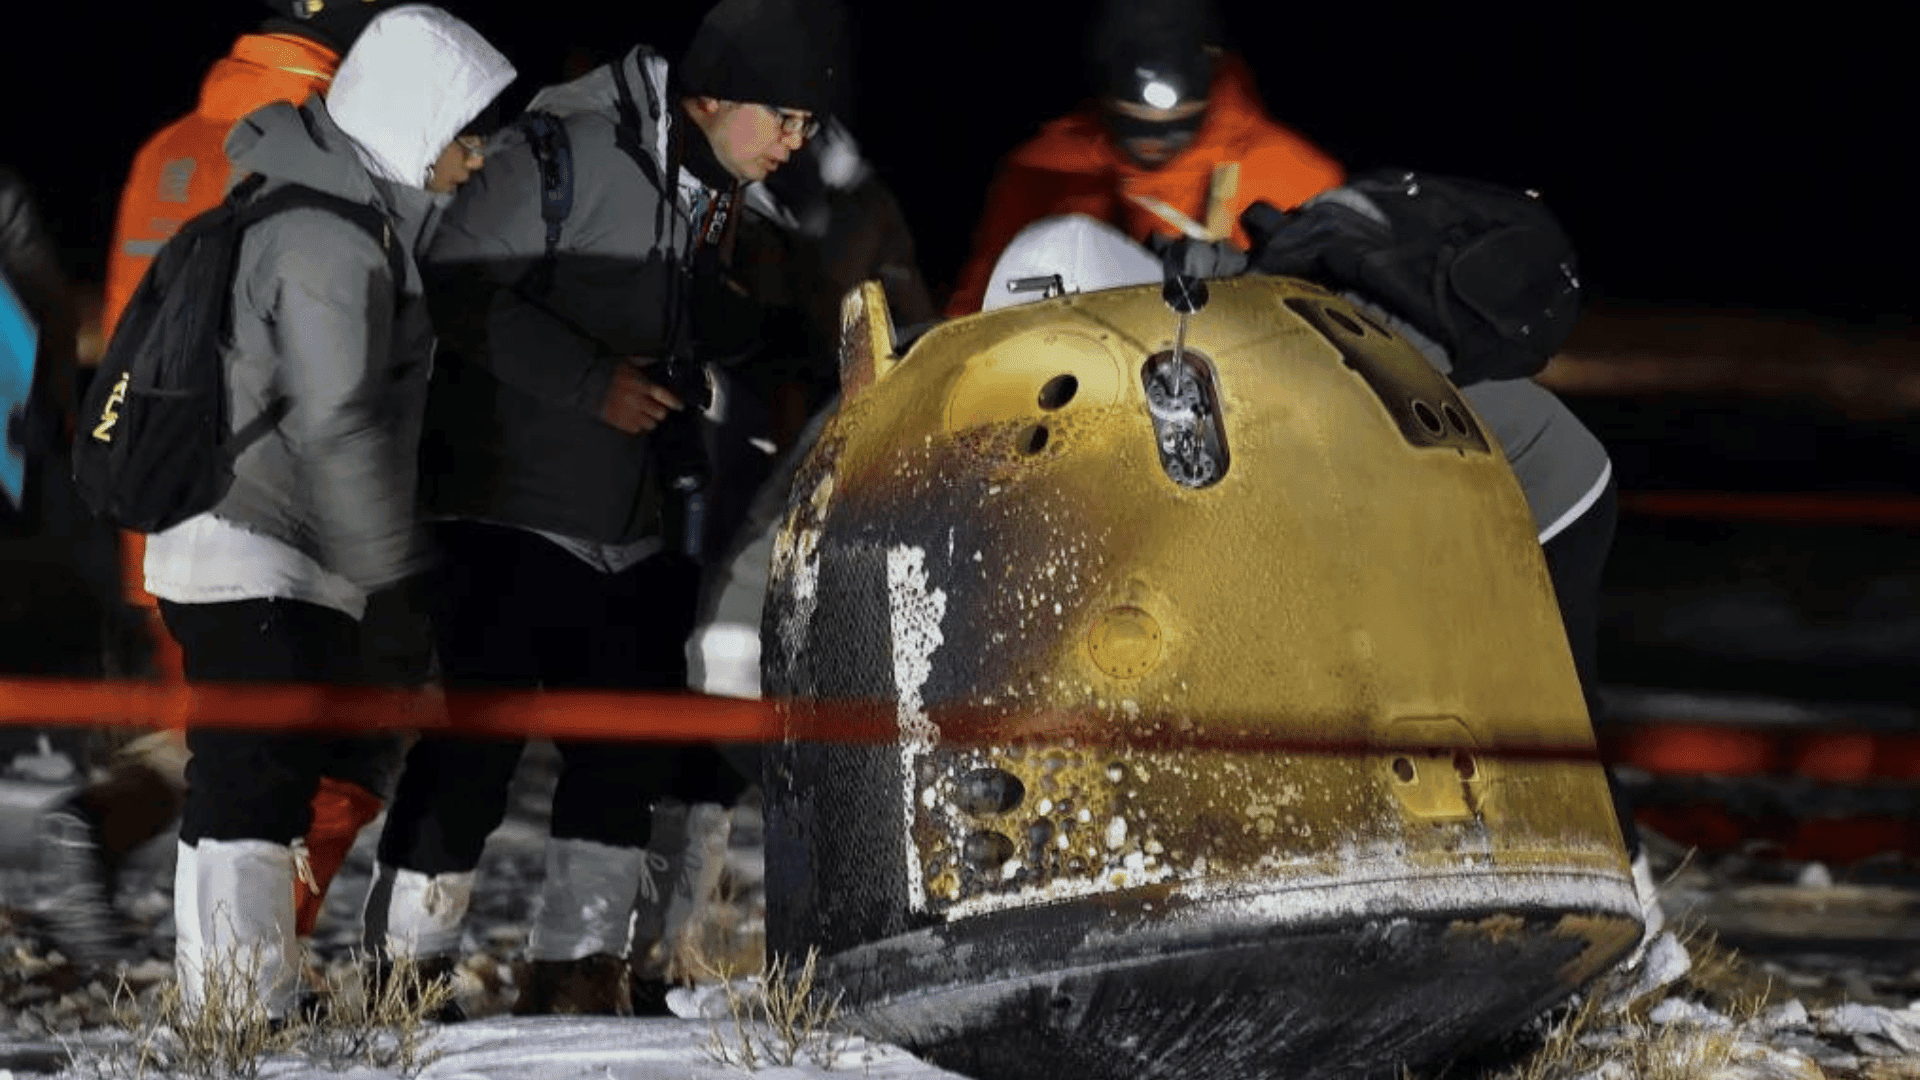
[
  {"x": 586, "y": 902},
  {"x": 690, "y": 902},
  {"x": 415, "y": 915},
  {"x": 582, "y": 931},
  {"x": 417, "y": 918},
  {"x": 233, "y": 909},
  {"x": 685, "y": 859},
  {"x": 188, "y": 948}
]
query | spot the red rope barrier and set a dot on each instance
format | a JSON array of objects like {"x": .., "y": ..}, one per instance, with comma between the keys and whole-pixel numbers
[
  {"x": 609, "y": 715},
  {"x": 559, "y": 714}
]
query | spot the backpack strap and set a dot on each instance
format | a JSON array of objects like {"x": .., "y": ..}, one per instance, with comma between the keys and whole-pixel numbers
[
  {"x": 553, "y": 154},
  {"x": 627, "y": 138},
  {"x": 626, "y": 134},
  {"x": 245, "y": 189}
]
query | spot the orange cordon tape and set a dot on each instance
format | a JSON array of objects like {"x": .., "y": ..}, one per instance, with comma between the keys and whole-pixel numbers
[
  {"x": 553, "y": 714},
  {"x": 664, "y": 717}
]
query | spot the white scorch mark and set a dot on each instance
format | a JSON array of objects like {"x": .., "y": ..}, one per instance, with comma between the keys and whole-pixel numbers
[
  {"x": 914, "y": 613},
  {"x": 796, "y": 561}
]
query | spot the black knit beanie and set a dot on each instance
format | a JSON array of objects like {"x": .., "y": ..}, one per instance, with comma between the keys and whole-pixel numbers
[
  {"x": 335, "y": 22},
  {"x": 1168, "y": 38},
  {"x": 784, "y": 53}
]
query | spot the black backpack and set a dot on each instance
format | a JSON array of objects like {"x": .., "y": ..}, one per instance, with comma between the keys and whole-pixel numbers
[
  {"x": 1484, "y": 270},
  {"x": 155, "y": 443}
]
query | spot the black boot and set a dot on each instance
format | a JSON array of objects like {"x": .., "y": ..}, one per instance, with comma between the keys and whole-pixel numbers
[
  {"x": 649, "y": 996},
  {"x": 594, "y": 985},
  {"x": 410, "y": 984},
  {"x": 81, "y": 917}
]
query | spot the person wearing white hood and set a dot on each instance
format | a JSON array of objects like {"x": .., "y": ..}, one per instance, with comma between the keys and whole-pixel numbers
[{"x": 270, "y": 584}]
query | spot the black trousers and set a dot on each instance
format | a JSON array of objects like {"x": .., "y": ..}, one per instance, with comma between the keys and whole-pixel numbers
[
  {"x": 515, "y": 612},
  {"x": 258, "y": 784},
  {"x": 1576, "y": 560}
]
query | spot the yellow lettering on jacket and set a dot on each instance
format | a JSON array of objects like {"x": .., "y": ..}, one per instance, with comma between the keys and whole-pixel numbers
[{"x": 109, "y": 416}]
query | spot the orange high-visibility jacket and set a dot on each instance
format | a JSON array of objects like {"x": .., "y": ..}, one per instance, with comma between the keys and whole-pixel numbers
[
  {"x": 1074, "y": 167},
  {"x": 182, "y": 171}
]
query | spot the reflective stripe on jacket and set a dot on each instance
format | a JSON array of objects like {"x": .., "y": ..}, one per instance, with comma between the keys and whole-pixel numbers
[{"x": 182, "y": 170}]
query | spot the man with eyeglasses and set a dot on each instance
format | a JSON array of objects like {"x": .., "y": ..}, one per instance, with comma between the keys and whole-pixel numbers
[
  {"x": 750, "y": 139},
  {"x": 580, "y": 287}
]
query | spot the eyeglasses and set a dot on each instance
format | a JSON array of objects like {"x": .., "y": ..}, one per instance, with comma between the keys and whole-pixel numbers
[
  {"x": 472, "y": 145},
  {"x": 805, "y": 125}
]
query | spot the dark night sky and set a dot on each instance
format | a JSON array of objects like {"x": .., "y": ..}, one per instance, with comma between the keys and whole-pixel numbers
[{"x": 1757, "y": 164}]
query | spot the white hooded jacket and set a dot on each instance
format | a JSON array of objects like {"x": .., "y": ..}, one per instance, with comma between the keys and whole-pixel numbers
[{"x": 412, "y": 81}]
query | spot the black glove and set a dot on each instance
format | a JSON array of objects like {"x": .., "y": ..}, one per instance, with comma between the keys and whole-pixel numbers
[{"x": 1183, "y": 255}]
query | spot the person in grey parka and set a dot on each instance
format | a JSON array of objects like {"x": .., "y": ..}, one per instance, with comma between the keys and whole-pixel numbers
[
  {"x": 565, "y": 298},
  {"x": 270, "y": 584}
]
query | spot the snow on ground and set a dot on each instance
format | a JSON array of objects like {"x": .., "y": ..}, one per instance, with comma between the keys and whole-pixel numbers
[
  {"x": 555, "y": 1048},
  {"x": 1822, "y": 1005}
]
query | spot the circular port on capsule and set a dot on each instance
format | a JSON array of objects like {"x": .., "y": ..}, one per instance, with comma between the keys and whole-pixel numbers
[
  {"x": 986, "y": 850},
  {"x": 990, "y": 791},
  {"x": 1429, "y": 419},
  {"x": 1058, "y": 391}
]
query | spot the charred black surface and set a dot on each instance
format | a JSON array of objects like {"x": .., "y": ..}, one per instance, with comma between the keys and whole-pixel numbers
[
  {"x": 836, "y": 860},
  {"x": 1127, "y": 994}
]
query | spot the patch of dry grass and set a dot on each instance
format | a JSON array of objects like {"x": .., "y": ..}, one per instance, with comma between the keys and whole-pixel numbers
[
  {"x": 378, "y": 1022},
  {"x": 231, "y": 1037},
  {"x": 780, "y": 1018},
  {"x": 1722, "y": 979},
  {"x": 1607, "y": 1033}
]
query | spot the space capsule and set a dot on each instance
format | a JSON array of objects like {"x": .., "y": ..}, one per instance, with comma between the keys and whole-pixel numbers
[{"x": 1227, "y": 724}]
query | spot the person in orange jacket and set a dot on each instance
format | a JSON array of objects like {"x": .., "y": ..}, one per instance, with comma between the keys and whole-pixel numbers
[
  {"x": 1176, "y": 142},
  {"x": 182, "y": 171}
]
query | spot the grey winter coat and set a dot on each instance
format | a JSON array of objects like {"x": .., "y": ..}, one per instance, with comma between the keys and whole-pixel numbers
[
  {"x": 514, "y": 434},
  {"x": 319, "y": 324}
]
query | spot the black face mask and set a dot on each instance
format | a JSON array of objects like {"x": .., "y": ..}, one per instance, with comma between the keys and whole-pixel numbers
[
  {"x": 1122, "y": 126},
  {"x": 1176, "y": 134}
]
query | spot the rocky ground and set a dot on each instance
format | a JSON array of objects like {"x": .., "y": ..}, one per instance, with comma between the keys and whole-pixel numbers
[
  {"x": 1777, "y": 968},
  {"x": 43, "y": 995}
]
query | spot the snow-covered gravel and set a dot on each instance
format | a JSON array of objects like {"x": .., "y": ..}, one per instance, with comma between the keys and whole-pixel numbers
[{"x": 1818, "y": 1007}]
